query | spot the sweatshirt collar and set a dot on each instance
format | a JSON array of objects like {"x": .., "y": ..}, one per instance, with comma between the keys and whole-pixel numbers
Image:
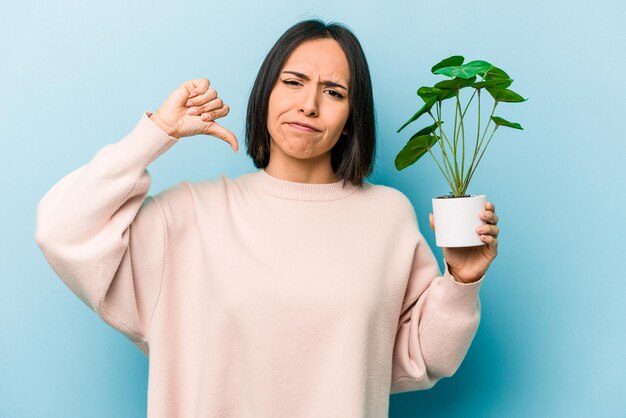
[{"x": 274, "y": 186}]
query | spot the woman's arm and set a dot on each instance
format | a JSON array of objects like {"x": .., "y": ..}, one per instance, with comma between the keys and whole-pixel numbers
[
  {"x": 438, "y": 321},
  {"x": 104, "y": 237}
]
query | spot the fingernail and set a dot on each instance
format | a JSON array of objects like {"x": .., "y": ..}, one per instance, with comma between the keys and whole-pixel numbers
[{"x": 192, "y": 111}]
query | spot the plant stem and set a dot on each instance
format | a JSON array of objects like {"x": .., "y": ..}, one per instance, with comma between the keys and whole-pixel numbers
[
  {"x": 488, "y": 123},
  {"x": 466, "y": 180},
  {"x": 440, "y": 169},
  {"x": 434, "y": 158},
  {"x": 455, "y": 136},
  {"x": 481, "y": 155},
  {"x": 463, "y": 174},
  {"x": 470, "y": 100},
  {"x": 438, "y": 121},
  {"x": 445, "y": 156},
  {"x": 472, "y": 167},
  {"x": 442, "y": 134},
  {"x": 463, "y": 143}
]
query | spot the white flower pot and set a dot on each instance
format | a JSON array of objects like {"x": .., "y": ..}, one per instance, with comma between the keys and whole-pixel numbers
[{"x": 456, "y": 219}]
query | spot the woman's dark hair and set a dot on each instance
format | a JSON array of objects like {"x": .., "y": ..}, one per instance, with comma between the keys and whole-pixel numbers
[{"x": 352, "y": 157}]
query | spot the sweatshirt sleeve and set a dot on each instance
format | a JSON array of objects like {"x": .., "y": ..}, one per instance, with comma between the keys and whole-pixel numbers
[
  {"x": 438, "y": 321},
  {"x": 104, "y": 237}
]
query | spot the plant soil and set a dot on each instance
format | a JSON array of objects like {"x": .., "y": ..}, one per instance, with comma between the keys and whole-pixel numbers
[{"x": 452, "y": 197}]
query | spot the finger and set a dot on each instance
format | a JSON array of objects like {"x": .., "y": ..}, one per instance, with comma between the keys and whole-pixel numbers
[
  {"x": 489, "y": 217},
  {"x": 205, "y": 97},
  {"x": 212, "y": 105},
  {"x": 431, "y": 218},
  {"x": 490, "y": 206},
  {"x": 196, "y": 86},
  {"x": 488, "y": 230},
  {"x": 490, "y": 240},
  {"x": 218, "y": 131},
  {"x": 215, "y": 114}
]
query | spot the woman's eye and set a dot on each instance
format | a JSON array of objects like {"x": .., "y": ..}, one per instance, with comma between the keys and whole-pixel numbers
[
  {"x": 336, "y": 94},
  {"x": 295, "y": 83}
]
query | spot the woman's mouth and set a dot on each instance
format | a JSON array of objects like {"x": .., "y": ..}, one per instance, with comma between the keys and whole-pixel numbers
[{"x": 301, "y": 128}]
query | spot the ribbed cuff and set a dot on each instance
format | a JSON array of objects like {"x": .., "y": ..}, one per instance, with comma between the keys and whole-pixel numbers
[
  {"x": 455, "y": 298},
  {"x": 145, "y": 143}
]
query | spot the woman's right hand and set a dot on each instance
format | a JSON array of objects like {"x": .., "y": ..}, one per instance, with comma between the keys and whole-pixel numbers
[{"x": 175, "y": 118}]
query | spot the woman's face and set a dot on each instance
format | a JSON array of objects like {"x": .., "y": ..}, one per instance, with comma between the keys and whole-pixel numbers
[{"x": 317, "y": 95}]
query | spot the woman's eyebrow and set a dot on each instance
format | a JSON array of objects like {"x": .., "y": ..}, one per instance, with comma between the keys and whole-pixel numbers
[{"x": 325, "y": 82}]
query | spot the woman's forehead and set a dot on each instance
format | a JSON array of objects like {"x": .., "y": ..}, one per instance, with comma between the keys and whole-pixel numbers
[{"x": 322, "y": 59}]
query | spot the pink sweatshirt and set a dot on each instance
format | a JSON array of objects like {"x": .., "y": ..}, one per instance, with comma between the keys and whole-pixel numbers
[{"x": 255, "y": 296}]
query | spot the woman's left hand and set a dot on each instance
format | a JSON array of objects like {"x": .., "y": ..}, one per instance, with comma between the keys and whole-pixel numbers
[{"x": 469, "y": 264}]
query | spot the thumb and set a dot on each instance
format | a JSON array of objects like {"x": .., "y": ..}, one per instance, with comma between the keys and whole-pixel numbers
[
  {"x": 431, "y": 218},
  {"x": 218, "y": 131}
]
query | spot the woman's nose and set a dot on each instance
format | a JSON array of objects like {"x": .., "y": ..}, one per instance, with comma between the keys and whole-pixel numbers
[{"x": 309, "y": 105}]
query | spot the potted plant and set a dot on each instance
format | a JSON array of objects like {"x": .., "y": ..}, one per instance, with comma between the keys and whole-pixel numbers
[{"x": 457, "y": 214}]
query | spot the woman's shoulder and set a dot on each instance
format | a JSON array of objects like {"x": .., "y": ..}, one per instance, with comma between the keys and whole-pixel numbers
[
  {"x": 394, "y": 201},
  {"x": 183, "y": 193},
  {"x": 179, "y": 202},
  {"x": 388, "y": 194}
]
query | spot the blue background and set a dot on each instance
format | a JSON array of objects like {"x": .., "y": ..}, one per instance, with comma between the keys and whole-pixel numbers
[{"x": 75, "y": 76}]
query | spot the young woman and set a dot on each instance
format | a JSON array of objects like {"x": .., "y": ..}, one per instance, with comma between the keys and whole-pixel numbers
[{"x": 297, "y": 290}]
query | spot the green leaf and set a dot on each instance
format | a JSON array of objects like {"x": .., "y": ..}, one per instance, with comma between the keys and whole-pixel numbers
[
  {"x": 427, "y": 92},
  {"x": 427, "y": 130},
  {"x": 494, "y": 77},
  {"x": 494, "y": 82},
  {"x": 468, "y": 70},
  {"x": 495, "y": 73},
  {"x": 505, "y": 95},
  {"x": 455, "y": 84},
  {"x": 426, "y": 108},
  {"x": 503, "y": 122},
  {"x": 448, "y": 62},
  {"x": 414, "y": 150}
]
